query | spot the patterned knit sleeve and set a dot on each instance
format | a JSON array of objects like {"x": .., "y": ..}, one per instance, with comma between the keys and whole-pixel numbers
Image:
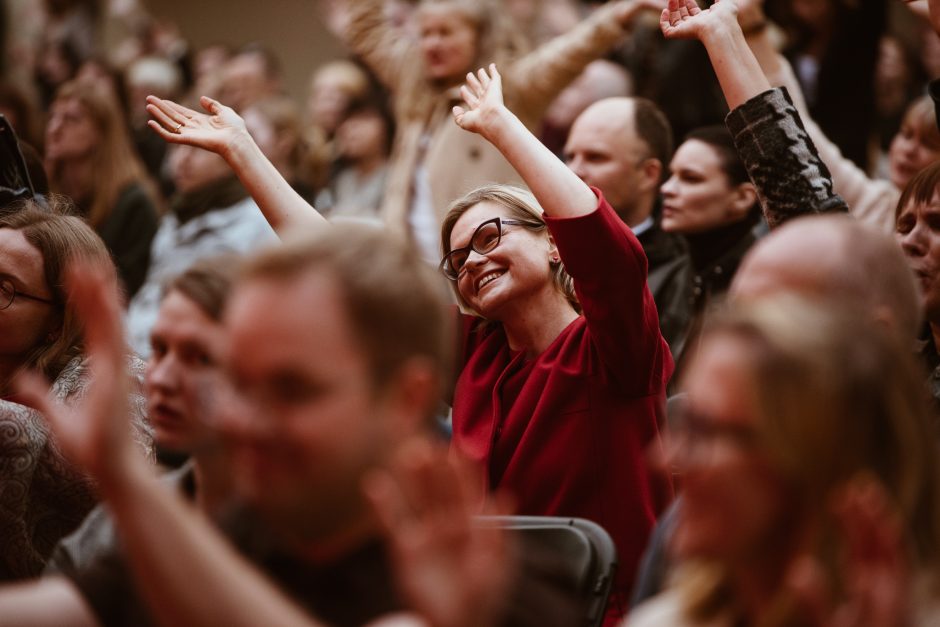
[{"x": 781, "y": 159}]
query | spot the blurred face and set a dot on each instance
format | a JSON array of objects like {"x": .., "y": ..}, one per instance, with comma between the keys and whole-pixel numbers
[
  {"x": 71, "y": 132},
  {"x": 733, "y": 502},
  {"x": 362, "y": 136},
  {"x": 186, "y": 344},
  {"x": 310, "y": 422},
  {"x": 195, "y": 168},
  {"x": 499, "y": 283},
  {"x": 328, "y": 102},
  {"x": 448, "y": 42},
  {"x": 918, "y": 233},
  {"x": 244, "y": 81},
  {"x": 26, "y": 323},
  {"x": 911, "y": 150},
  {"x": 606, "y": 153},
  {"x": 698, "y": 196}
]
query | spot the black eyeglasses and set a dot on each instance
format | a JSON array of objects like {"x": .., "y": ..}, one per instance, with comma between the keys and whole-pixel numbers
[
  {"x": 8, "y": 294},
  {"x": 485, "y": 238}
]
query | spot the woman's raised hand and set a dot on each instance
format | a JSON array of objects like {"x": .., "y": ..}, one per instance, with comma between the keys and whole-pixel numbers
[
  {"x": 483, "y": 95},
  {"x": 94, "y": 432},
  {"x": 684, "y": 19},
  {"x": 177, "y": 124}
]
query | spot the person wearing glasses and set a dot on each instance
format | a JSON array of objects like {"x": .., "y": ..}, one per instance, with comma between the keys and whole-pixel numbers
[
  {"x": 563, "y": 368},
  {"x": 41, "y": 497}
]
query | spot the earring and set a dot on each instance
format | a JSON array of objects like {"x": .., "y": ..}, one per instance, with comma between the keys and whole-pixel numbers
[{"x": 555, "y": 261}]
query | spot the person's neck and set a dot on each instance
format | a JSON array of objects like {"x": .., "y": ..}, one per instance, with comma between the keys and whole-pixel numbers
[
  {"x": 535, "y": 324},
  {"x": 756, "y": 584},
  {"x": 639, "y": 211},
  {"x": 334, "y": 546},
  {"x": 367, "y": 165},
  {"x": 212, "y": 474},
  {"x": 75, "y": 177},
  {"x": 707, "y": 247}
]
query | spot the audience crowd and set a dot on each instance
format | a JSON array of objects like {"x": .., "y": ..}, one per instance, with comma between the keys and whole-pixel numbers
[{"x": 659, "y": 276}]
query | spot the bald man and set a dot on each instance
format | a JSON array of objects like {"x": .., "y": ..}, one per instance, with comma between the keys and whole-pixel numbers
[{"x": 622, "y": 146}]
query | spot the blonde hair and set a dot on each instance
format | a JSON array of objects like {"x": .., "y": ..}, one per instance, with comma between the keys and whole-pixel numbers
[
  {"x": 838, "y": 396},
  {"x": 521, "y": 205},
  {"x": 116, "y": 164}
]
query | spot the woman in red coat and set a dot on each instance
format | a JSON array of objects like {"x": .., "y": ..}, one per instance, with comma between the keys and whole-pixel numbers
[{"x": 562, "y": 365}]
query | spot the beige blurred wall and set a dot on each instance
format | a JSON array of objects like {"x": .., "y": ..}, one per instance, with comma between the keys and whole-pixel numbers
[{"x": 294, "y": 29}]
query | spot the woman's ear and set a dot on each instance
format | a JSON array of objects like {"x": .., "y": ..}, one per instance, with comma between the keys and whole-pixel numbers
[
  {"x": 744, "y": 197},
  {"x": 553, "y": 257}
]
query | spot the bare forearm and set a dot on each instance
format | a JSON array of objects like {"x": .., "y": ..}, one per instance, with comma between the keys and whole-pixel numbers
[
  {"x": 283, "y": 207},
  {"x": 169, "y": 545},
  {"x": 736, "y": 67},
  {"x": 47, "y": 602},
  {"x": 560, "y": 192}
]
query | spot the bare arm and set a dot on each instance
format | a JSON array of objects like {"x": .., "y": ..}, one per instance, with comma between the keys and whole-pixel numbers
[
  {"x": 560, "y": 192},
  {"x": 46, "y": 602},
  {"x": 224, "y": 132},
  {"x": 738, "y": 72},
  {"x": 386, "y": 49}
]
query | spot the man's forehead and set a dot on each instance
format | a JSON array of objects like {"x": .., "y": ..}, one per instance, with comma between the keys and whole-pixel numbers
[{"x": 607, "y": 122}]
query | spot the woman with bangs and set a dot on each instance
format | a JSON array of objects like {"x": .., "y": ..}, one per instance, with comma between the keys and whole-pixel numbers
[{"x": 90, "y": 158}]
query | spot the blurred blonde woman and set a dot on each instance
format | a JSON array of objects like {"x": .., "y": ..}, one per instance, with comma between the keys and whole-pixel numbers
[
  {"x": 805, "y": 429},
  {"x": 90, "y": 158}
]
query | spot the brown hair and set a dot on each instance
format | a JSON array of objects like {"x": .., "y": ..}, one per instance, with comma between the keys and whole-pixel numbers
[
  {"x": 838, "y": 396},
  {"x": 652, "y": 126},
  {"x": 522, "y": 205},
  {"x": 116, "y": 164},
  {"x": 395, "y": 302},
  {"x": 921, "y": 189},
  {"x": 60, "y": 238},
  {"x": 207, "y": 283}
]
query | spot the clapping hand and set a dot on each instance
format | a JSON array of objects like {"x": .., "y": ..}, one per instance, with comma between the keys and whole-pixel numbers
[{"x": 94, "y": 433}]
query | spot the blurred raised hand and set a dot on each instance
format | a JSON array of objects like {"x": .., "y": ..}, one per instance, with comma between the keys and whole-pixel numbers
[
  {"x": 453, "y": 571},
  {"x": 95, "y": 432}
]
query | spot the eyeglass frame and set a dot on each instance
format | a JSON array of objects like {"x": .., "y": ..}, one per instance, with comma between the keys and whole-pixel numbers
[
  {"x": 15, "y": 292},
  {"x": 444, "y": 265}
]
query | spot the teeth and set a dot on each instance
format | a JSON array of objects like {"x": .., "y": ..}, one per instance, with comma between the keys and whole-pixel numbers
[{"x": 488, "y": 278}]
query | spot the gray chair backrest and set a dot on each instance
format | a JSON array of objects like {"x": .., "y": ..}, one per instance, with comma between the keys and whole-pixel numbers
[{"x": 584, "y": 547}]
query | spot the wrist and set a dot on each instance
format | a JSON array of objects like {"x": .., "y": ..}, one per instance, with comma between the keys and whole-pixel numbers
[
  {"x": 722, "y": 33},
  {"x": 499, "y": 125},
  {"x": 239, "y": 149}
]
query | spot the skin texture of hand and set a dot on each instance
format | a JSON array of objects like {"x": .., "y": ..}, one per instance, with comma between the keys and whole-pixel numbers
[
  {"x": 683, "y": 19},
  {"x": 626, "y": 10},
  {"x": 874, "y": 566},
  {"x": 94, "y": 434},
  {"x": 483, "y": 94},
  {"x": 453, "y": 572},
  {"x": 217, "y": 131}
]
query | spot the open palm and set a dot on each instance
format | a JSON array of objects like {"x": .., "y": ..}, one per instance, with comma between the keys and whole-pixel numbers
[
  {"x": 684, "y": 19},
  {"x": 181, "y": 125},
  {"x": 483, "y": 95}
]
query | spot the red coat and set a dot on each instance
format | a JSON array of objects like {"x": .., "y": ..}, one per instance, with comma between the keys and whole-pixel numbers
[{"x": 567, "y": 432}]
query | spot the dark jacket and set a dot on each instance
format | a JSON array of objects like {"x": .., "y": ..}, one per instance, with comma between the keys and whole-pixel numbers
[{"x": 668, "y": 279}]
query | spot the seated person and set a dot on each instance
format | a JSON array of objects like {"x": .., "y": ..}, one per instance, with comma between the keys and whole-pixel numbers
[{"x": 42, "y": 498}]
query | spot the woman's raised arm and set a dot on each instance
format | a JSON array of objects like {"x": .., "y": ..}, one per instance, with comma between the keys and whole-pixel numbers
[
  {"x": 560, "y": 192},
  {"x": 223, "y": 132}
]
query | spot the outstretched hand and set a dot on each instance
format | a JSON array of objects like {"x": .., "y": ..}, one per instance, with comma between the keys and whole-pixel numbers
[
  {"x": 177, "y": 124},
  {"x": 94, "y": 433},
  {"x": 684, "y": 19},
  {"x": 874, "y": 569},
  {"x": 483, "y": 95},
  {"x": 454, "y": 572}
]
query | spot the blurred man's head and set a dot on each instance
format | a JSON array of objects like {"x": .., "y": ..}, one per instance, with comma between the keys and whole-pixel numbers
[
  {"x": 252, "y": 74},
  {"x": 834, "y": 257},
  {"x": 622, "y": 146},
  {"x": 337, "y": 351}
]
